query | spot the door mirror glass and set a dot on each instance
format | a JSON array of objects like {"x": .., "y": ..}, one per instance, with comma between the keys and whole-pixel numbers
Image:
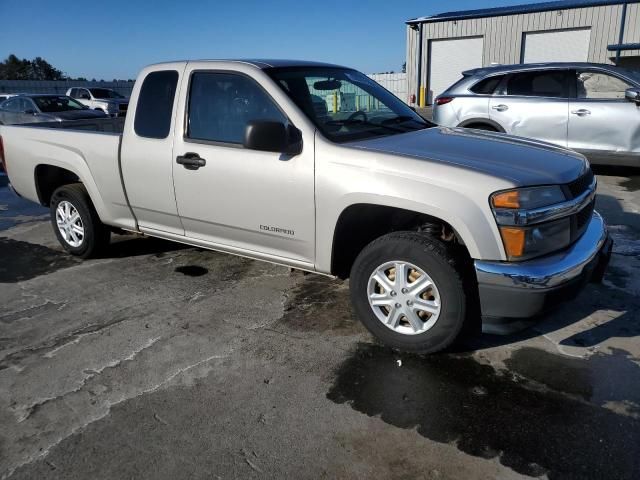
[
  {"x": 633, "y": 95},
  {"x": 85, "y": 96},
  {"x": 269, "y": 136},
  {"x": 29, "y": 111}
]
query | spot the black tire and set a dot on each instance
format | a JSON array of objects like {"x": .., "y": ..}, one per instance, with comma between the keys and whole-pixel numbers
[
  {"x": 96, "y": 234},
  {"x": 437, "y": 260}
]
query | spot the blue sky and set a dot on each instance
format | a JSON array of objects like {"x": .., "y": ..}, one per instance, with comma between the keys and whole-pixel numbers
[{"x": 115, "y": 38}]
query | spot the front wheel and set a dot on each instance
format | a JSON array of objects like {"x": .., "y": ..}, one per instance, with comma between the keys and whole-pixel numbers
[
  {"x": 407, "y": 289},
  {"x": 76, "y": 222}
]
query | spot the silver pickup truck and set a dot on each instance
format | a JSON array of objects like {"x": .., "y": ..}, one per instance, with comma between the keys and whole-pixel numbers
[{"x": 317, "y": 167}]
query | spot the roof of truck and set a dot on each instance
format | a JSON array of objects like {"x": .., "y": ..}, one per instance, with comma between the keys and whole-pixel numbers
[{"x": 264, "y": 63}]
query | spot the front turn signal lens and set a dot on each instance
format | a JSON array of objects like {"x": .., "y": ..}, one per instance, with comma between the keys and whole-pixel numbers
[
  {"x": 510, "y": 199},
  {"x": 514, "y": 240}
]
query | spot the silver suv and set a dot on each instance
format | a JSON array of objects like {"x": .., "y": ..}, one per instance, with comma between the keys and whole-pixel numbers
[{"x": 588, "y": 107}]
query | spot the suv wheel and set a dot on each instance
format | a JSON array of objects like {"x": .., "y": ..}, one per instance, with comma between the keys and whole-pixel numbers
[
  {"x": 407, "y": 290},
  {"x": 76, "y": 222}
]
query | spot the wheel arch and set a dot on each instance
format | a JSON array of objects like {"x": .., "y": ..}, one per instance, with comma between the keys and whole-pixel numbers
[
  {"x": 360, "y": 223},
  {"x": 481, "y": 121}
]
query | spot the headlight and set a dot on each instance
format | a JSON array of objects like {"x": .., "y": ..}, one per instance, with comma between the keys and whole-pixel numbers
[
  {"x": 528, "y": 198},
  {"x": 111, "y": 106},
  {"x": 516, "y": 212}
]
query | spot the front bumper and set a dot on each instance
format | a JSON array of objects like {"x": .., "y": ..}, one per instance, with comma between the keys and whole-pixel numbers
[{"x": 513, "y": 292}]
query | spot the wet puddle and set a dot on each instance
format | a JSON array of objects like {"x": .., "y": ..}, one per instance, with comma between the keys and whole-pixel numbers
[
  {"x": 543, "y": 416},
  {"x": 192, "y": 270},
  {"x": 632, "y": 184},
  {"x": 321, "y": 304},
  {"x": 22, "y": 260}
]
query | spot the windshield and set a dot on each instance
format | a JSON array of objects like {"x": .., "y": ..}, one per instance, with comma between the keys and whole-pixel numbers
[
  {"x": 52, "y": 104},
  {"x": 104, "y": 93},
  {"x": 346, "y": 105}
]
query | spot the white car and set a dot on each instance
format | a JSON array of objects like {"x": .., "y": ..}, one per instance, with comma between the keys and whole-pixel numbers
[{"x": 105, "y": 99}]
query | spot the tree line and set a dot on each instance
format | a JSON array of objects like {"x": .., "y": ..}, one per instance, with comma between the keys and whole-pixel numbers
[{"x": 14, "y": 68}]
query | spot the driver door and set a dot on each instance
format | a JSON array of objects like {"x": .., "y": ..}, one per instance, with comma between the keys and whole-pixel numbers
[{"x": 242, "y": 200}]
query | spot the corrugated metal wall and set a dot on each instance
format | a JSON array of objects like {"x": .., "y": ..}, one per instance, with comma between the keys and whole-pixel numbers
[
  {"x": 503, "y": 35},
  {"x": 396, "y": 83},
  {"x": 60, "y": 87}
]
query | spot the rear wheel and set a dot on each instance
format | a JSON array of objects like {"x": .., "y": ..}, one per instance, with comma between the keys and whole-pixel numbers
[
  {"x": 407, "y": 289},
  {"x": 76, "y": 222}
]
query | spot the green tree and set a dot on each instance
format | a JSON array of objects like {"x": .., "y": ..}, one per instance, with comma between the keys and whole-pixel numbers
[{"x": 13, "y": 68}]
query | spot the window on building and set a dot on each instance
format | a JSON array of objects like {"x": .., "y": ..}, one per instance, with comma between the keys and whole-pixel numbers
[
  {"x": 550, "y": 83},
  {"x": 599, "y": 85},
  {"x": 487, "y": 86},
  {"x": 155, "y": 104},
  {"x": 221, "y": 105}
]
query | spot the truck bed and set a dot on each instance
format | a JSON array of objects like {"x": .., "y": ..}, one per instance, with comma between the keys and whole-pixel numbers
[
  {"x": 105, "y": 125},
  {"x": 88, "y": 149}
]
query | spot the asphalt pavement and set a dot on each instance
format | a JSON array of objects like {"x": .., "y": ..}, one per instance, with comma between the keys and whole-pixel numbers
[{"x": 160, "y": 361}]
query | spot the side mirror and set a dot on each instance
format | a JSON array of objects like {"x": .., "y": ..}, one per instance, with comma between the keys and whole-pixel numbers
[
  {"x": 269, "y": 136},
  {"x": 29, "y": 112},
  {"x": 84, "y": 96},
  {"x": 633, "y": 95}
]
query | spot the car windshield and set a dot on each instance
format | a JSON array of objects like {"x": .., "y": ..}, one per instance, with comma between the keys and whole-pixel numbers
[
  {"x": 346, "y": 105},
  {"x": 52, "y": 104},
  {"x": 104, "y": 93}
]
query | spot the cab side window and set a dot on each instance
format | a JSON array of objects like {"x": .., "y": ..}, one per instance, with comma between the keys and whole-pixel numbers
[
  {"x": 221, "y": 105},
  {"x": 12, "y": 105},
  {"x": 597, "y": 85},
  {"x": 550, "y": 83}
]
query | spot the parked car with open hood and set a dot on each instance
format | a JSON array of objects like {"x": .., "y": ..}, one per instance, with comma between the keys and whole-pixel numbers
[
  {"x": 105, "y": 99},
  {"x": 591, "y": 108},
  {"x": 34, "y": 108},
  {"x": 319, "y": 168}
]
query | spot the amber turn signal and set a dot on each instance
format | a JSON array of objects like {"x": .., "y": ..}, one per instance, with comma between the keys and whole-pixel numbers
[
  {"x": 513, "y": 239},
  {"x": 510, "y": 199}
]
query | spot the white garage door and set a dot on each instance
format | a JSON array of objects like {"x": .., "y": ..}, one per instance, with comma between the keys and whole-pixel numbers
[
  {"x": 557, "y": 46},
  {"x": 449, "y": 58}
]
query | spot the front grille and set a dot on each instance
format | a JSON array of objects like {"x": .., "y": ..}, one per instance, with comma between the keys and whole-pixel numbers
[
  {"x": 580, "y": 185},
  {"x": 580, "y": 220}
]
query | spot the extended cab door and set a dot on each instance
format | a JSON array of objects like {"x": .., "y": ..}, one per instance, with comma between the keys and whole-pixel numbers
[
  {"x": 534, "y": 104},
  {"x": 147, "y": 150},
  {"x": 256, "y": 202},
  {"x": 602, "y": 123}
]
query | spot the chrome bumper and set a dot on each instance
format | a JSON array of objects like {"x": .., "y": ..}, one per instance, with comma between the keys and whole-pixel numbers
[
  {"x": 549, "y": 271},
  {"x": 522, "y": 290}
]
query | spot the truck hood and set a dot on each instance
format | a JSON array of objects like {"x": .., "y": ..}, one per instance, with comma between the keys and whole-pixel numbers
[
  {"x": 78, "y": 114},
  {"x": 524, "y": 162}
]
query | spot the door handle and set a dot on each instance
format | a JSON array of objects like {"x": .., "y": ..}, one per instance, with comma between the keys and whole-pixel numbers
[
  {"x": 581, "y": 113},
  {"x": 191, "y": 161},
  {"x": 500, "y": 108}
]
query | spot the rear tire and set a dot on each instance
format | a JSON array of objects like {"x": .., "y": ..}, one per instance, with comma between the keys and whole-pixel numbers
[
  {"x": 417, "y": 319},
  {"x": 76, "y": 222}
]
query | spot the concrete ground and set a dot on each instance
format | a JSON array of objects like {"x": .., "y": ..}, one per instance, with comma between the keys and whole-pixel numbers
[{"x": 163, "y": 362}]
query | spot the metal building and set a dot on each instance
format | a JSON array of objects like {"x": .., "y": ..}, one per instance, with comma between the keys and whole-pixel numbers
[{"x": 441, "y": 46}]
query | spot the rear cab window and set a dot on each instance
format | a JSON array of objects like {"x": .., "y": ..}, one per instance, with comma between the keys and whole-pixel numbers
[{"x": 155, "y": 104}]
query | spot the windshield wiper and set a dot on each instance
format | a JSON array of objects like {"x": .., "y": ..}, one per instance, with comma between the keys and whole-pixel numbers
[
  {"x": 405, "y": 118},
  {"x": 341, "y": 123}
]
